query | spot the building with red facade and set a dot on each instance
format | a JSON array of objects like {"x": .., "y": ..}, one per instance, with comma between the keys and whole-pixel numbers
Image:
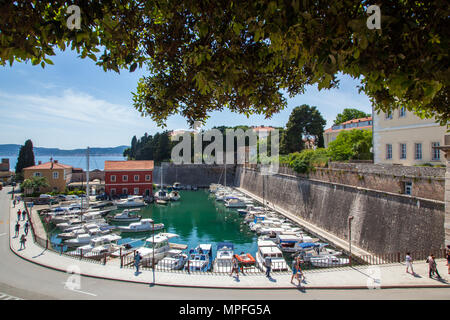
[{"x": 132, "y": 177}]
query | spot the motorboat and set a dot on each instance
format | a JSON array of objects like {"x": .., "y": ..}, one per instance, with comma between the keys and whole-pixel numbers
[
  {"x": 156, "y": 248},
  {"x": 174, "y": 196},
  {"x": 235, "y": 203},
  {"x": 224, "y": 257},
  {"x": 126, "y": 215},
  {"x": 98, "y": 247},
  {"x": 200, "y": 258},
  {"x": 270, "y": 249},
  {"x": 288, "y": 243},
  {"x": 144, "y": 225},
  {"x": 175, "y": 262},
  {"x": 163, "y": 202},
  {"x": 131, "y": 201},
  {"x": 85, "y": 238},
  {"x": 176, "y": 186},
  {"x": 328, "y": 261},
  {"x": 162, "y": 195}
]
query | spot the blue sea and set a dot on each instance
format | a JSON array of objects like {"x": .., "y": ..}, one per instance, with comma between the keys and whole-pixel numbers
[{"x": 95, "y": 162}]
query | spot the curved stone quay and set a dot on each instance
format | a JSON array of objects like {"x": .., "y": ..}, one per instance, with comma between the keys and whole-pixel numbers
[{"x": 363, "y": 277}]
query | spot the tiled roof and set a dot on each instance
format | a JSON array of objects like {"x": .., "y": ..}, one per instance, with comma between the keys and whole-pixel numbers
[
  {"x": 48, "y": 165},
  {"x": 128, "y": 165},
  {"x": 349, "y": 122}
]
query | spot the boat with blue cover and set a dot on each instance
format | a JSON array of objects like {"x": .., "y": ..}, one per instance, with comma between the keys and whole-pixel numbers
[{"x": 200, "y": 258}]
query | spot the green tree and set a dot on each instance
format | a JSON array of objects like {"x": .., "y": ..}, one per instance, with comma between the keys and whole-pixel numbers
[
  {"x": 25, "y": 158},
  {"x": 34, "y": 184},
  {"x": 351, "y": 145},
  {"x": 304, "y": 121},
  {"x": 350, "y": 114},
  {"x": 209, "y": 55}
]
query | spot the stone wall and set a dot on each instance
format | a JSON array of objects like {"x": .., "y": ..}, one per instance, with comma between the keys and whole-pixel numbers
[
  {"x": 427, "y": 182},
  {"x": 200, "y": 175},
  {"x": 94, "y": 174},
  {"x": 383, "y": 222}
]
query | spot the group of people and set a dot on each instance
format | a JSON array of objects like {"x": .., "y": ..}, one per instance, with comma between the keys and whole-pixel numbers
[
  {"x": 23, "y": 238},
  {"x": 432, "y": 265}
]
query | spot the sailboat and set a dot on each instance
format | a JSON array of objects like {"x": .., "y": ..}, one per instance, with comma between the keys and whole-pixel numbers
[{"x": 161, "y": 195}]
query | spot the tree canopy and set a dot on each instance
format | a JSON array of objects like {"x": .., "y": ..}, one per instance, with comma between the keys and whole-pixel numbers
[
  {"x": 351, "y": 145},
  {"x": 25, "y": 158},
  {"x": 350, "y": 114},
  {"x": 208, "y": 55},
  {"x": 304, "y": 122}
]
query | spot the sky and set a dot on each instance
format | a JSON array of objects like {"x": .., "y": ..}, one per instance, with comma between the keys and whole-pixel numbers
[{"x": 75, "y": 104}]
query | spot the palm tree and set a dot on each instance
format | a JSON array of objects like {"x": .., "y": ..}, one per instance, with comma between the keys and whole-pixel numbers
[{"x": 35, "y": 183}]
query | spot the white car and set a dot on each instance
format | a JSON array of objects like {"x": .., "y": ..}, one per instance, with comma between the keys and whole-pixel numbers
[
  {"x": 72, "y": 197},
  {"x": 45, "y": 196}
]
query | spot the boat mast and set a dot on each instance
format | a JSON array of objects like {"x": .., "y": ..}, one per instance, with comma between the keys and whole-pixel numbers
[
  {"x": 225, "y": 174},
  {"x": 87, "y": 177}
]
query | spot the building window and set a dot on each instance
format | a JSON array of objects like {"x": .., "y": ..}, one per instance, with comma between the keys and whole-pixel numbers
[
  {"x": 113, "y": 178},
  {"x": 147, "y": 177},
  {"x": 435, "y": 154},
  {"x": 407, "y": 188},
  {"x": 418, "y": 151},
  {"x": 388, "y": 115},
  {"x": 136, "y": 178},
  {"x": 403, "y": 151},
  {"x": 389, "y": 151},
  {"x": 113, "y": 191},
  {"x": 55, "y": 175},
  {"x": 37, "y": 174},
  {"x": 402, "y": 112},
  {"x": 125, "y": 191},
  {"x": 124, "y": 178},
  {"x": 136, "y": 190}
]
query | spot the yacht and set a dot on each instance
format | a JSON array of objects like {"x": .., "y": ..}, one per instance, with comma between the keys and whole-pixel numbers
[
  {"x": 162, "y": 195},
  {"x": 126, "y": 215},
  {"x": 98, "y": 246},
  {"x": 200, "y": 258},
  {"x": 85, "y": 238},
  {"x": 235, "y": 203},
  {"x": 176, "y": 186},
  {"x": 224, "y": 257},
  {"x": 131, "y": 201},
  {"x": 144, "y": 225},
  {"x": 174, "y": 262},
  {"x": 269, "y": 249},
  {"x": 174, "y": 196},
  {"x": 156, "y": 248}
]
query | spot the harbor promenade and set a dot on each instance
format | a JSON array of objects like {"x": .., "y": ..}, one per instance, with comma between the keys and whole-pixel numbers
[{"x": 358, "y": 277}]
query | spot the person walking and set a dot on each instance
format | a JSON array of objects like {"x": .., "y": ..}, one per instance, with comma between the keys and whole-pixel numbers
[
  {"x": 23, "y": 239},
  {"x": 137, "y": 261},
  {"x": 27, "y": 225},
  {"x": 408, "y": 262},
  {"x": 18, "y": 214},
  {"x": 14, "y": 203},
  {"x": 268, "y": 265},
  {"x": 294, "y": 270},
  {"x": 448, "y": 258},
  {"x": 235, "y": 267},
  {"x": 432, "y": 267},
  {"x": 24, "y": 215},
  {"x": 17, "y": 229}
]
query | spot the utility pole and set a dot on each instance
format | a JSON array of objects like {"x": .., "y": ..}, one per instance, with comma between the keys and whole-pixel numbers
[
  {"x": 350, "y": 218},
  {"x": 87, "y": 177}
]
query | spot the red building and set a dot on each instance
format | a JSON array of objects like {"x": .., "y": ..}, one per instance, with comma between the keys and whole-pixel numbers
[{"x": 133, "y": 177}]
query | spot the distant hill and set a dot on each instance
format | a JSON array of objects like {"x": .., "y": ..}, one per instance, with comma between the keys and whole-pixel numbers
[{"x": 13, "y": 150}]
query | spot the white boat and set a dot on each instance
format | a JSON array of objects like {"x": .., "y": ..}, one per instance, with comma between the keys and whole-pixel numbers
[
  {"x": 176, "y": 186},
  {"x": 156, "y": 248},
  {"x": 131, "y": 201},
  {"x": 175, "y": 262},
  {"x": 126, "y": 216},
  {"x": 174, "y": 196},
  {"x": 144, "y": 225},
  {"x": 85, "y": 238},
  {"x": 270, "y": 249},
  {"x": 224, "y": 257},
  {"x": 328, "y": 261},
  {"x": 159, "y": 201},
  {"x": 288, "y": 243},
  {"x": 162, "y": 195},
  {"x": 98, "y": 246},
  {"x": 235, "y": 203},
  {"x": 200, "y": 258}
]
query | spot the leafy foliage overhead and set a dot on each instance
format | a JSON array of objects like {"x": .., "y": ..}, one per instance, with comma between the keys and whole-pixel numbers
[{"x": 210, "y": 55}]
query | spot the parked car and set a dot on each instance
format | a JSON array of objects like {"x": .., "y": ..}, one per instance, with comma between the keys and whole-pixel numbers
[
  {"x": 72, "y": 197},
  {"x": 62, "y": 197},
  {"x": 45, "y": 196},
  {"x": 101, "y": 197}
]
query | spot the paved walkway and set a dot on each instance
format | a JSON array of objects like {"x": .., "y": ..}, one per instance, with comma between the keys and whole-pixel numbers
[{"x": 386, "y": 276}]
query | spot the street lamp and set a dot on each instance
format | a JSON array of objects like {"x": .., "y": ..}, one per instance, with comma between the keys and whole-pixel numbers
[
  {"x": 350, "y": 218},
  {"x": 153, "y": 250}
]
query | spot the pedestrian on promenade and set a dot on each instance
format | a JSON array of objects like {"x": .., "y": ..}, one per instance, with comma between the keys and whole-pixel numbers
[
  {"x": 17, "y": 228},
  {"x": 23, "y": 239},
  {"x": 448, "y": 258},
  {"x": 408, "y": 262},
  {"x": 14, "y": 203},
  {"x": 24, "y": 214},
  {"x": 295, "y": 270},
  {"x": 137, "y": 261},
  {"x": 18, "y": 214},
  {"x": 268, "y": 265},
  {"x": 27, "y": 225},
  {"x": 235, "y": 267},
  {"x": 432, "y": 267}
]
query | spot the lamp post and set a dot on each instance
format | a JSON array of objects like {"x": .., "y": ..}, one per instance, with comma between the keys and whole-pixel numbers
[
  {"x": 153, "y": 250},
  {"x": 350, "y": 218}
]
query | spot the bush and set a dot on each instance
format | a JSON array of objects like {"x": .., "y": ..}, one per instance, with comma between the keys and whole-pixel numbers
[{"x": 300, "y": 166}]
